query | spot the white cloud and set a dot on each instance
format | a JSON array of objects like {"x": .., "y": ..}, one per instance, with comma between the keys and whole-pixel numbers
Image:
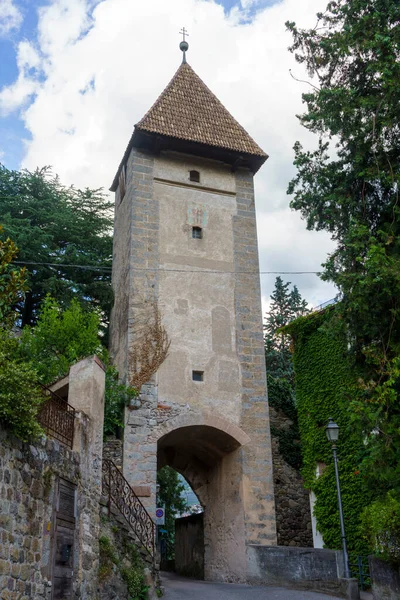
[
  {"x": 17, "y": 94},
  {"x": 10, "y": 17},
  {"x": 99, "y": 70}
]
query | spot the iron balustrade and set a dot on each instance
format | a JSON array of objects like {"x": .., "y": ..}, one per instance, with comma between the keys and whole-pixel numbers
[
  {"x": 57, "y": 418},
  {"x": 119, "y": 492},
  {"x": 360, "y": 570}
]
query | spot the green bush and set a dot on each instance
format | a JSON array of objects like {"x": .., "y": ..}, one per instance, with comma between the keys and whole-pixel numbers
[
  {"x": 128, "y": 563},
  {"x": 60, "y": 338},
  {"x": 117, "y": 397},
  {"x": 20, "y": 396},
  {"x": 381, "y": 526},
  {"x": 281, "y": 396}
]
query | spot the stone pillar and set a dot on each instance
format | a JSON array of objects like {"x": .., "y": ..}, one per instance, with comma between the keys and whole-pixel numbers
[
  {"x": 224, "y": 522},
  {"x": 136, "y": 268},
  {"x": 257, "y": 482},
  {"x": 86, "y": 395}
]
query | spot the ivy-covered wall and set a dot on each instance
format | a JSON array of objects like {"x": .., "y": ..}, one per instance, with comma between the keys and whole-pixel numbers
[{"x": 325, "y": 384}]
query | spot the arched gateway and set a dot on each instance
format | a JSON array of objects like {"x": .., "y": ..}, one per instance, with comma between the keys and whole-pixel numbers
[{"x": 185, "y": 239}]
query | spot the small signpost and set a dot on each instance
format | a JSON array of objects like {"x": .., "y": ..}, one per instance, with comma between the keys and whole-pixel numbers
[{"x": 160, "y": 516}]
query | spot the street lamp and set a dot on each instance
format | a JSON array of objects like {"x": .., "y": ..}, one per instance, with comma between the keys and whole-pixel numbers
[{"x": 332, "y": 433}]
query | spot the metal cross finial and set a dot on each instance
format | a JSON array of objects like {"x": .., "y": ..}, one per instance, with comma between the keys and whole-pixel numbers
[
  {"x": 184, "y": 32},
  {"x": 184, "y": 45}
]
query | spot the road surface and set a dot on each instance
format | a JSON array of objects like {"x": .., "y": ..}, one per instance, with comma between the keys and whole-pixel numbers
[{"x": 183, "y": 588}]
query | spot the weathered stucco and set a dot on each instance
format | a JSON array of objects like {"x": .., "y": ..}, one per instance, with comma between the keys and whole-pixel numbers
[
  {"x": 215, "y": 431},
  {"x": 187, "y": 300}
]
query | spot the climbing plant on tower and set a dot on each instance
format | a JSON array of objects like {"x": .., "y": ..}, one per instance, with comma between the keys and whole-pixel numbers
[{"x": 326, "y": 381}]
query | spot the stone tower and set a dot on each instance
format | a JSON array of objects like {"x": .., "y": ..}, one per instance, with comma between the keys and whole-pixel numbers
[{"x": 185, "y": 238}]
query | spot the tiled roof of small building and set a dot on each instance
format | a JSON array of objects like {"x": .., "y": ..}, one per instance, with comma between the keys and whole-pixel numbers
[{"x": 189, "y": 111}]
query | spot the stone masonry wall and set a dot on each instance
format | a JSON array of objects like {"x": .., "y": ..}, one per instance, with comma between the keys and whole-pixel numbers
[
  {"x": 143, "y": 214},
  {"x": 257, "y": 456},
  {"x": 113, "y": 450},
  {"x": 28, "y": 476},
  {"x": 215, "y": 325},
  {"x": 292, "y": 502},
  {"x": 36, "y": 496}
]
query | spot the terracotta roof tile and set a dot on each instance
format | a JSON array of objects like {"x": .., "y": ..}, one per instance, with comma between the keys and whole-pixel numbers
[{"x": 188, "y": 110}]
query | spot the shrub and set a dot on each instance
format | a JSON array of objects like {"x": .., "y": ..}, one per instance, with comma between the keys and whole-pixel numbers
[
  {"x": 60, "y": 338},
  {"x": 381, "y": 524},
  {"x": 20, "y": 396}
]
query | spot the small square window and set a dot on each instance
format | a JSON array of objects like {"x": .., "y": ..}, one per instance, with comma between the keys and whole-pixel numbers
[
  {"x": 198, "y": 375},
  {"x": 194, "y": 176},
  {"x": 197, "y": 233}
]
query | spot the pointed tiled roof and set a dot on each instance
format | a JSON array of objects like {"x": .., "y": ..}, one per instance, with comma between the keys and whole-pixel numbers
[
  {"x": 189, "y": 111},
  {"x": 187, "y": 117}
]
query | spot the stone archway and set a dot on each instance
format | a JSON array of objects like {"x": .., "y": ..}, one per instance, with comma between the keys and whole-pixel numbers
[
  {"x": 206, "y": 450},
  {"x": 194, "y": 445}
]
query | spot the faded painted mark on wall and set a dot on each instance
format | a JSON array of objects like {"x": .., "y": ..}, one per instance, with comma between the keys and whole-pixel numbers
[{"x": 197, "y": 215}]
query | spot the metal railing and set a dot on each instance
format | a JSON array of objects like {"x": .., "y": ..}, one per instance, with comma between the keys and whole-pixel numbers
[
  {"x": 57, "y": 418},
  {"x": 324, "y": 305},
  {"x": 360, "y": 570},
  {"x": 119, "y": 492}
]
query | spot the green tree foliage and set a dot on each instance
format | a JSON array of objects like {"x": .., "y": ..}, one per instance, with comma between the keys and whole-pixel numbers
[
  {"x": 381, "y": 526},
  {"x": 20, "y": 395},
  {"x": 117, "y": 396},
  {"x": 349, "y": 186},
  {"x": 285, "y": 306},
  {"x": 52, "y": 223},
  {"x": 12, "y": 281},
  {"x": 170, "y": 496},
  {"x": 325, "y": 382},
  {"x": 60, "y": 338}
]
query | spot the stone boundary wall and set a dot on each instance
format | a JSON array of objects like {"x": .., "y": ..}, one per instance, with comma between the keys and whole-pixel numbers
[
  {"x": 28, "y": 475},
  {"x": 385, "y": 579},
  {"x": 113, "y": 450},
  {"x": 292, "y": 501},
  {"x": 300, "y": 568}
]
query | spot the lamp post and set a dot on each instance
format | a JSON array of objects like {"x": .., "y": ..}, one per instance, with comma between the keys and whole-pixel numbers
[{"x": 332, "y": 433}]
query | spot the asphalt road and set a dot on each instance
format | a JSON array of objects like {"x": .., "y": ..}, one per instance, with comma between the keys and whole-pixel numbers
[{"x": 182, "y": 588}]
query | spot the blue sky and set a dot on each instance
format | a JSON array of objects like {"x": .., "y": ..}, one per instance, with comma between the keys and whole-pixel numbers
[
  {"x": 123, "y": 53},
  {"x": 12, "y": 129},
  {"x": 13, "y": 132}
]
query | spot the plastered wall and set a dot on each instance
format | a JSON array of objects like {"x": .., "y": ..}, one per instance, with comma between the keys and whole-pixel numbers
[{"x": 208, "y": 293}]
